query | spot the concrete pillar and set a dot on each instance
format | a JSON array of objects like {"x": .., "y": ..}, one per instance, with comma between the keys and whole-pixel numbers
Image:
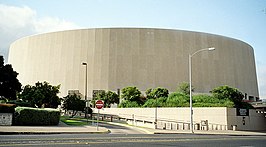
[
  {"x": 234, "y": 127},
  {"x": 197, "y": 126},
  {"x": 176, "y": 126}
]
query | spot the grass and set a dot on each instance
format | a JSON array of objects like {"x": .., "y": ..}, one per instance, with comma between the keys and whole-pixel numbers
[
  {"x": 76, "y": 121},
  {"x": 80, "y": 121}
]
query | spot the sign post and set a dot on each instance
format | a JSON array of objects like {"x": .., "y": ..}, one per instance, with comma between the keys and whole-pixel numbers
[{"x": 99, "y": 105}]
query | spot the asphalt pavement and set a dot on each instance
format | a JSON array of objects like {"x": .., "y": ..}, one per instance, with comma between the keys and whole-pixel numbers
[
  {"x": 118, "y": 134},
  {"x": 115, "y": 128},
  {"x": 122, "y": 140}
]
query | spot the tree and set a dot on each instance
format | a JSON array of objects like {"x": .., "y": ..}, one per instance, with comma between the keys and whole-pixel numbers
[
  {"x": 148, "y": 93},
  {"x": 184, "y": 88},
  {"x": 112, "y": 97},
  {"x": 108, "y": 97},
  {"x": 131, "y": 94},
  {"x": 41, "y": 95},
  {"x": 226, "y": 92},
  {"x": 9, "y": 84},
  {"x": 157, "y": 93},
  {"x": 74, "y": 103}
]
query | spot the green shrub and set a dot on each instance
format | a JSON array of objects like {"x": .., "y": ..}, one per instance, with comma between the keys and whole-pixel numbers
[
  {"x": 227, "y": 92},
  {"x": 246, "y": 105},
  {"x": 7, "y": 108},
  {"x": 184, "y": 88},
  {"x": 203, "y": 98},
  {"x": 36, "y": 116},
  {"x": 177, "y": 99},
  {"x": 19, "y": 103},
  {"x": 3, "y": 100},
  {"x": 211, "y": 101},
  {"x": 159, "y": 102},
  {"x": 227, "y": 103},
  {"x": 150, "y": 103},
  {"x": 128, "y": 104}
]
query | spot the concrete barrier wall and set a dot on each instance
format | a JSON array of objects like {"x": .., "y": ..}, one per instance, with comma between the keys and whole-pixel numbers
[
  {"x": 175, "y": 118},
  {"x": 255, "y": 121},
  {"x": 219, "y": 118}
]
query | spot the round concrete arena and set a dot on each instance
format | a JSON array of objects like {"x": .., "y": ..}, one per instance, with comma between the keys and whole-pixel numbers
[{"x": 141, "y": 57}]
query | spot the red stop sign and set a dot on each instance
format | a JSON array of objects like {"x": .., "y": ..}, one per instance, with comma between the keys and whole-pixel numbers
[{"x": 99, "y": 104}]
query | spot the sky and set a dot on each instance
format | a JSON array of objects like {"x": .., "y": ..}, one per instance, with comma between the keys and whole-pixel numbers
[{"x": 240, "y": 19}]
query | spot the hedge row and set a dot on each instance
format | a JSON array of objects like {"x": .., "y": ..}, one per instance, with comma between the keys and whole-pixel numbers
[
  {"x": 177, "y": 99},
  {"x": 19, "y": 103},
  {"x": 36, "y": 116}
]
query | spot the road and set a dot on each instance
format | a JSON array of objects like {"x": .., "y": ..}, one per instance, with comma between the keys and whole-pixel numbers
[
  {"x": 121, "y": 136},
  {"x": 118, "y": 129},
  {"x": 121, "y": 140}
]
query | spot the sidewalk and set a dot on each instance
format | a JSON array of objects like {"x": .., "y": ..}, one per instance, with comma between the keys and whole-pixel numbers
[{"x": 60, "y": 129}]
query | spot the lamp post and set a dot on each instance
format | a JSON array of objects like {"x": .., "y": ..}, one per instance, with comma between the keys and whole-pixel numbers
[
  {"x": 190, "y": 83},
  {"x": 156, "y": 109},
  {"x": 86, "y": 102}
]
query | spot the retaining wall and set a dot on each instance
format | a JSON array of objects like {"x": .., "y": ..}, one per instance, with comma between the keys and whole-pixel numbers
[{"x": 213, "y": 118}]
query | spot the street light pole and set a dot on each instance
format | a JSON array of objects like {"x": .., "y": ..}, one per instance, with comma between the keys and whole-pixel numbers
[
  {"x": 190, "y": 83},
  {"x": 190, "y": 95},
  {"x": 156, "y": 109},
  {"x": 86, "y": 102}
]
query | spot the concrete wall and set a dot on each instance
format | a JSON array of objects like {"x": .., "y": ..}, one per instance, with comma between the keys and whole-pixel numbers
[
  {"x": 219, "y": 118},
  {"x": 214, "y": 115},
  {"x": 255, "y": 121},
  {"x": 146, "y": 58}
]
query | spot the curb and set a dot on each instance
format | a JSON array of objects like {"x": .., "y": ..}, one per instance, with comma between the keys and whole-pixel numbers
[
  {"x": 21, "y": 133},
  {"x": 214, "y": 133},
  {"x": 220, "y": 134}
]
